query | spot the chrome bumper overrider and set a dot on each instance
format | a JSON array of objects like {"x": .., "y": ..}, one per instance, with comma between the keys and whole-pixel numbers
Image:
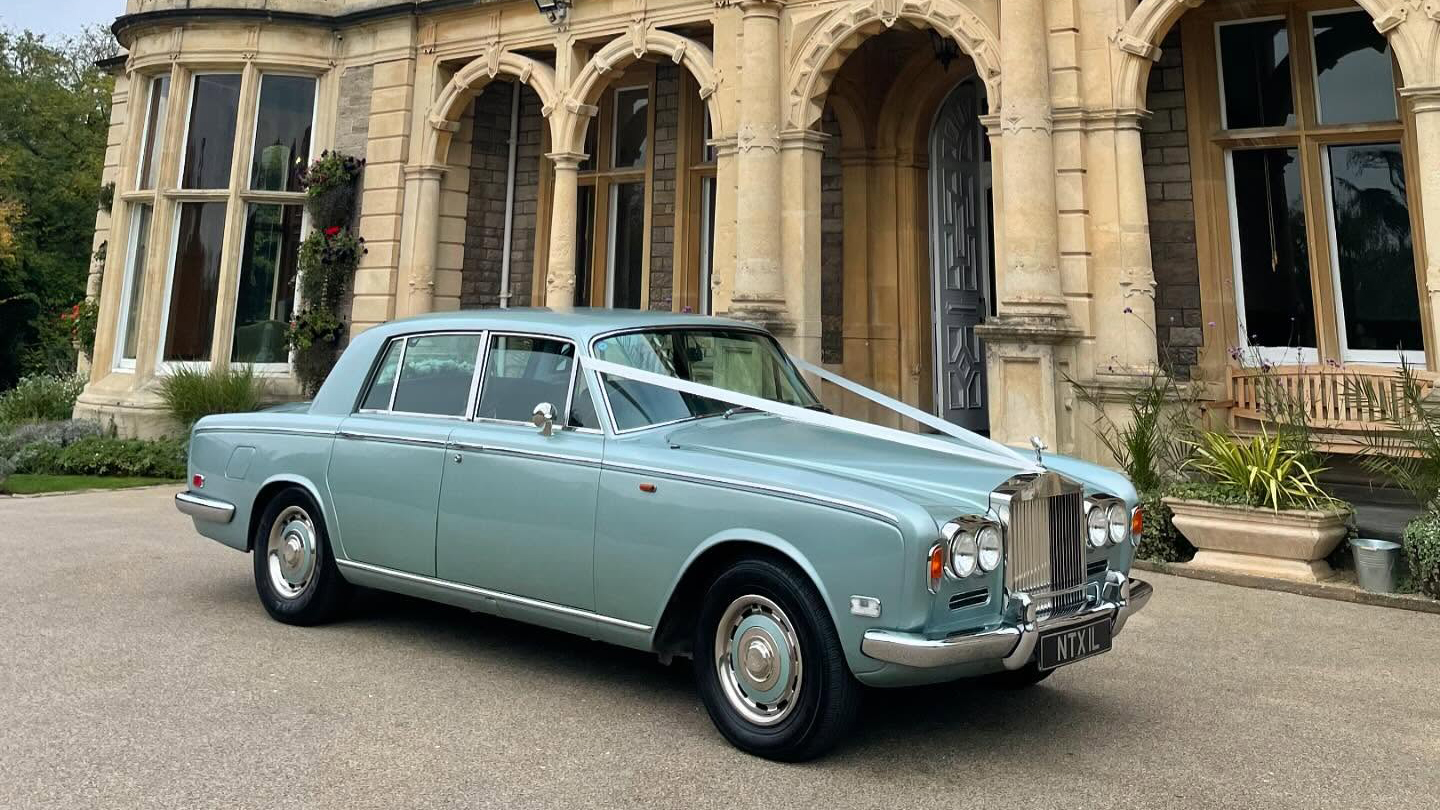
[
  {"x": 1013, "y": 642},
  {"x": 203, "y": 508}
]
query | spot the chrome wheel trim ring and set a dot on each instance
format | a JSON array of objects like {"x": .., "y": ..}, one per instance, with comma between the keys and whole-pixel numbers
[
  {"x": 291, "y": 554},
  {"x": 758, "y": 660}
]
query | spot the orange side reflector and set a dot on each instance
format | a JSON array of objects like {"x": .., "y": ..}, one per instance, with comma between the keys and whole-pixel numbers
[
  {"x": 937, "y": 567},
  {"x": 1137, "y": 522}
]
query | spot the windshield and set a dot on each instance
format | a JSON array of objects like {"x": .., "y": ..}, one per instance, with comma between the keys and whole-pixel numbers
[{"x": 734, "y": 359}]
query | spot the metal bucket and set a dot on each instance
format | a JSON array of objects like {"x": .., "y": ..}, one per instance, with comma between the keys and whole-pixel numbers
[{"x": 1377, "y": 564}]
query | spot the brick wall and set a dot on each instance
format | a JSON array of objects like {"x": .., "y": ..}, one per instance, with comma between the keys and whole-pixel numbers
[
  {"x": 1172, "y": 214},
  {"x": 662, "y": 191},
  {"x": 485, "y": 212},
  {"x": 832, "y": 245}
]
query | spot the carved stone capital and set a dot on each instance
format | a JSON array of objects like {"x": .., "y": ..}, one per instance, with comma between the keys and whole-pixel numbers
[{"x": 758, "y": 136}]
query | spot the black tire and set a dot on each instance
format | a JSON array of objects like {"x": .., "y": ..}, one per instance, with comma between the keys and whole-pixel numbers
[
  {"x": 324, "y": 591},
  {"x": 1021, "y": 678},
  {"x": 827, "y": 699}
]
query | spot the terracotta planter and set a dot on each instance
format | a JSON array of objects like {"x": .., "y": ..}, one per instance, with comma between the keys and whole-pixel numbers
[{"x": 1249, "y": 540}]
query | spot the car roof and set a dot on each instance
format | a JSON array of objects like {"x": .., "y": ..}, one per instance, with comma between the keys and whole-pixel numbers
[{"x": 578, "y": 323}]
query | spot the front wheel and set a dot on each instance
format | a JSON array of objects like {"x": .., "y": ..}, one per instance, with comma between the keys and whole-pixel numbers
[
  {"x": 295, "y": 573},
  {"x": 769, "y": 665}
]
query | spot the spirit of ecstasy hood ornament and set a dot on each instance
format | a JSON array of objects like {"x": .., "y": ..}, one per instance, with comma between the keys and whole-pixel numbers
[{"x": 1039, "y": 445}]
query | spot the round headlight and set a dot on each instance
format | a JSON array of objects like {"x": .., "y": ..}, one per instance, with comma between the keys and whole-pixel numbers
[
  {"x": 1119, "y": 522},
  {"x": 987, "y": 540},
  {"x": 1097, "y": 525},
  {"x": 963, "y": 553}
]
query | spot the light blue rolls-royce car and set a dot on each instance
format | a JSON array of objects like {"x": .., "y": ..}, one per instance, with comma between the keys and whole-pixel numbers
[{"x": 672, "y": 483}]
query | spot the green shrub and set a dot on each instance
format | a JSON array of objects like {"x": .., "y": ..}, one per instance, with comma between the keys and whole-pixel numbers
[
  {"x": 98, "y": 455},
  {"x": 1402, "y": 442},
  {"x": 1263, "y": 470},
  {"x": 1421, "y": 546},
  {"x": 58, "y": 433},
  {"x": 41, "y": 398},
  {"x": 190, "y": 392},
  {"x": 1161, "y": 540}
]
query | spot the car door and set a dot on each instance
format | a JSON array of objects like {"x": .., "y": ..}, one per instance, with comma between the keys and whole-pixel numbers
[
  {"x": 517, "y": 507},
  {"x": 385, "y": 471}
]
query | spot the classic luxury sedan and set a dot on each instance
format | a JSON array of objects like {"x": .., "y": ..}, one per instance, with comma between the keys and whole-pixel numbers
[{"x": 672, "y": 483}]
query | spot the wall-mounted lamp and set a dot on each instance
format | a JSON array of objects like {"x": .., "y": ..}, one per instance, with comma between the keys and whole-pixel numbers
[{"x": 554, "y": 10}]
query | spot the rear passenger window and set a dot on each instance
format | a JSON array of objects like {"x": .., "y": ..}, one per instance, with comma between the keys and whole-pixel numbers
[
  {"x": 435, "y": 374},
  {"x": 378, "y": 397},
  {"x": 523, "y": 371}
]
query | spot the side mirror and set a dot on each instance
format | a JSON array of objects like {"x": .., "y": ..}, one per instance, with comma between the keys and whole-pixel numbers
[{"x": 543, "y": 417}]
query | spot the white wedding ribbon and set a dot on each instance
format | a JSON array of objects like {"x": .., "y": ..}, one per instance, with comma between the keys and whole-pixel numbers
[{"x": 974, "y": 447}]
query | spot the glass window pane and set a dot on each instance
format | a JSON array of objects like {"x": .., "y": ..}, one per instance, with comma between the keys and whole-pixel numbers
[
  {"x": 436, "y": 374},
  {"x": 627, "y": 244},
  {"x": 154, "y": 130},
  {"x": 588, "y": 164},
  {"x": 195, "y": 282},
  {"x": 135, "y": 288},
  {"x": 1255, "y": 74},
  {"x": 584, "y": 242},
  {"x": 210, "y": 141},
  {"x": 632, "y": 127},
  {"x": 1355, "y": 81},
  {"x": 522, "y": 372},
  {"x": 266, "y": 297},
  {"x": 1376, "y": 262},
  {"x": 707, "y": 151},
  {"x": 282, "y": 132},
  {"x": 1274, "y": 261},
  {"x": 707, "y": 240},
  {"x": 582, "y": 406},
  {"x": 378, "y": 397}
]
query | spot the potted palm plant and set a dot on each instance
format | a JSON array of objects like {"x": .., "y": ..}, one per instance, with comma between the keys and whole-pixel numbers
[{"x": 1258, "y": 508}]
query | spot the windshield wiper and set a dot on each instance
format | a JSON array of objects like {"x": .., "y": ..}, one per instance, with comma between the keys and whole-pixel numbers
[{"x": 729, "y": 412}]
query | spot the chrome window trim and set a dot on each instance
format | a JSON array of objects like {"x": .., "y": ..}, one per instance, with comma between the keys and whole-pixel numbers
[
  {"x": 499, "y": 596},
  {"x": 569, "y": 390},
  {"x": 404, "y": 340},
  {"x": 630, "y": 330},
  {"x": 784, "y": 492}
]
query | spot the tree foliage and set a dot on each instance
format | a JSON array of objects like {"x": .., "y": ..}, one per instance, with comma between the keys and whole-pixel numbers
[{"x": 54, "y": 117}]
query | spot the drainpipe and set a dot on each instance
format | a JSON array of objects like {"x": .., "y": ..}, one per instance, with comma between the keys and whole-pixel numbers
[{"x": 510, "y": 195}]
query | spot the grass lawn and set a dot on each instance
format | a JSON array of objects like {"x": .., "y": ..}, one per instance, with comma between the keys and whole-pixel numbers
[{"x": 31, "y": 484}]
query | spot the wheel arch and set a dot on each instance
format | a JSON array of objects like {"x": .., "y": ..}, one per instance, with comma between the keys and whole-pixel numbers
[{"x": 273, "y": 486}]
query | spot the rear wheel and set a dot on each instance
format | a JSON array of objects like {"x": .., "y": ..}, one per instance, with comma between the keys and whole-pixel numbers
[
  {"x": 769, "y": 666},
  {"x": 295, "y": 573}
]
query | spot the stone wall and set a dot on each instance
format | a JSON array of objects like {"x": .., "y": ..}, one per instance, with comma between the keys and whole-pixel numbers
[
  {"x": 1178, "y": 319},
  {"x": 832, "y": 245},
  {"x": 662, "y": 190},
  {"x": 352, "y": 119},
  {"x": 485, "y": 215}
]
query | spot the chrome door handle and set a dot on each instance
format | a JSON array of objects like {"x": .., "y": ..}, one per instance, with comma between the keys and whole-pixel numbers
[{"x": 459, "y": 458}]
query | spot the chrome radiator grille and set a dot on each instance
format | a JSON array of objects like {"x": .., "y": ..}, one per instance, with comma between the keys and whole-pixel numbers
[{"x": 1045, "y": 554}]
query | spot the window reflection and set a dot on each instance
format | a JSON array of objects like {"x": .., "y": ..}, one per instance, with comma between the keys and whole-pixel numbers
[
  {"x": 154, "y": 130},
  {"x": 1255, "y": 74},
  {"x": 135, "y": 290},
  {"x": 1354, "y": 78},
  {"x": 195, "y": 284},
  {"x": 632, "y": 127},
  {"x": 627, "y": 244},
  {"x": 282, "y": 132},
  {"x": 266, "y": 297},
  {"x": 210, "y": 141},
  {"x": 1272, "y": 256}
]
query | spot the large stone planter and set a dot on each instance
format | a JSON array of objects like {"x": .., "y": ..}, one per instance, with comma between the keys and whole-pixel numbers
[{"x": 1262, "y": 542}]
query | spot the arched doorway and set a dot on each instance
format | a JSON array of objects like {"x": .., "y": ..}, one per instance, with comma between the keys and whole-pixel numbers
[{"x": 962, "y": 268}]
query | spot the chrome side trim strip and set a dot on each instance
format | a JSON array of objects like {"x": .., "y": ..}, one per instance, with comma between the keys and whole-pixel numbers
[
  {"x": 535, "y": 454},
  {"x": 730, "y": 483},
  {"x": 294, "y": 431},
  {"x": 390, "y": 438},
  {"x": 203, "y": 508},
  {"x": 498, "y": 596}
]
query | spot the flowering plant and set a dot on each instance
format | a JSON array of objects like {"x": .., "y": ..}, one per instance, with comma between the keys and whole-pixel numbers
[
  {"x": 330, "y": 171},
  {"x": 81, "y": 320}
]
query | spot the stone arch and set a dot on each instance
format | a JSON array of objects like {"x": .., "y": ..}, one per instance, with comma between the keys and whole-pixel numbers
[
  {"x": 642, "y": 40},
  {"x": 1138, "y": 41},
  {"x": 444, "y": 115},
  {"x": 821, "y": 54}
]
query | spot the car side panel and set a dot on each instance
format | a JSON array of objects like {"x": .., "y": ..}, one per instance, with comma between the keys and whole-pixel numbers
[{"x": 645, "y": 541}]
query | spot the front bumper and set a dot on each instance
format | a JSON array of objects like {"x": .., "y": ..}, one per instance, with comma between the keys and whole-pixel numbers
[
  {"x": 203, "y": 508},
  {"x": 1013, "y": 642}
]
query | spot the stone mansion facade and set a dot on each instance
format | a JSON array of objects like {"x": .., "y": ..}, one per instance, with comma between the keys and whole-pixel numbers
[{"x": 963, "y": 203}]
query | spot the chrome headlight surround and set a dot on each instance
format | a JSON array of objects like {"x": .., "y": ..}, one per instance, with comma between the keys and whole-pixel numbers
[
  {"x": 972, "y": 543},
  {"x": 1107, "y": 521},
  {"x": 1119, "y": 519},
  {"x": 1097, "y": 528}
]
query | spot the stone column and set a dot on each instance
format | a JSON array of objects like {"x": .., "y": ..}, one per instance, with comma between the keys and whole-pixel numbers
[
  {"x": 1125, "y": 317},
  {"x": 759, "y": 293},
  {"x": 420, "y": 243},
  {"x": 1022, "y": 342},
  {"x": 560, "y": 272},
  {"x": 801, "y": 153},
  {"x": 1425, "y": 105}
]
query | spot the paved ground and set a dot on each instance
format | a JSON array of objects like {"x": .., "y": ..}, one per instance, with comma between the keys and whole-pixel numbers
[{"x": 138, "y": 670}]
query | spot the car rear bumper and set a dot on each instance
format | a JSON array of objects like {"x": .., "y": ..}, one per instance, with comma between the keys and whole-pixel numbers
[
  {"x": 202, "y": 508},
  {"x": 1013, "y": 642}
]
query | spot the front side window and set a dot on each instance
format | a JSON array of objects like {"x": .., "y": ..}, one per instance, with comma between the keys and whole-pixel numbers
[
  {"x": 436, "y": 372},
  {"x": 736, "y": 360},
  {"x": 522, "y": 371},
  {"x": 377, "y": 396}
]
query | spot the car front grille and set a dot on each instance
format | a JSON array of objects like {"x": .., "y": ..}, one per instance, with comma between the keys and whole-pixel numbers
[{"x": 1045, "y": 553}]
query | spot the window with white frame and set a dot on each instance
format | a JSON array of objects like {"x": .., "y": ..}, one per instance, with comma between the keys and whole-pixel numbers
[
  {"x": 1319, "y": 216},
  {"x": 231, "y": 242}
]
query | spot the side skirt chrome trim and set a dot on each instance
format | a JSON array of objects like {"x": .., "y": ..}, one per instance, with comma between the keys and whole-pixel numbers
[
  {"x": 730, "y": 483},
  {"x": 498, "y": 596},
  {"x": 470, "y": 447},
  {"x": 262, "y": 429}
]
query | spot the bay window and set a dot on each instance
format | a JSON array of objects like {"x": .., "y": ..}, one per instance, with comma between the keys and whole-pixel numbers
[{"x": 1301, "y": 133}]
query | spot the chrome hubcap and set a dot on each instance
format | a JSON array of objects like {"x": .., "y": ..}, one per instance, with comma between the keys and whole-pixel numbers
[
  {"x": 757, "y": 659},
  {"x": 291, "y": 553}
]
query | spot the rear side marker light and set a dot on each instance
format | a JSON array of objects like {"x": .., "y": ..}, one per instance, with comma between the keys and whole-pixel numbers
[{"x": 197, "y": 481}]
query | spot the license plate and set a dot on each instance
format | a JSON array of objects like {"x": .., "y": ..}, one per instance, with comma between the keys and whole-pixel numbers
[{"x": 1072, "y": 644}]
